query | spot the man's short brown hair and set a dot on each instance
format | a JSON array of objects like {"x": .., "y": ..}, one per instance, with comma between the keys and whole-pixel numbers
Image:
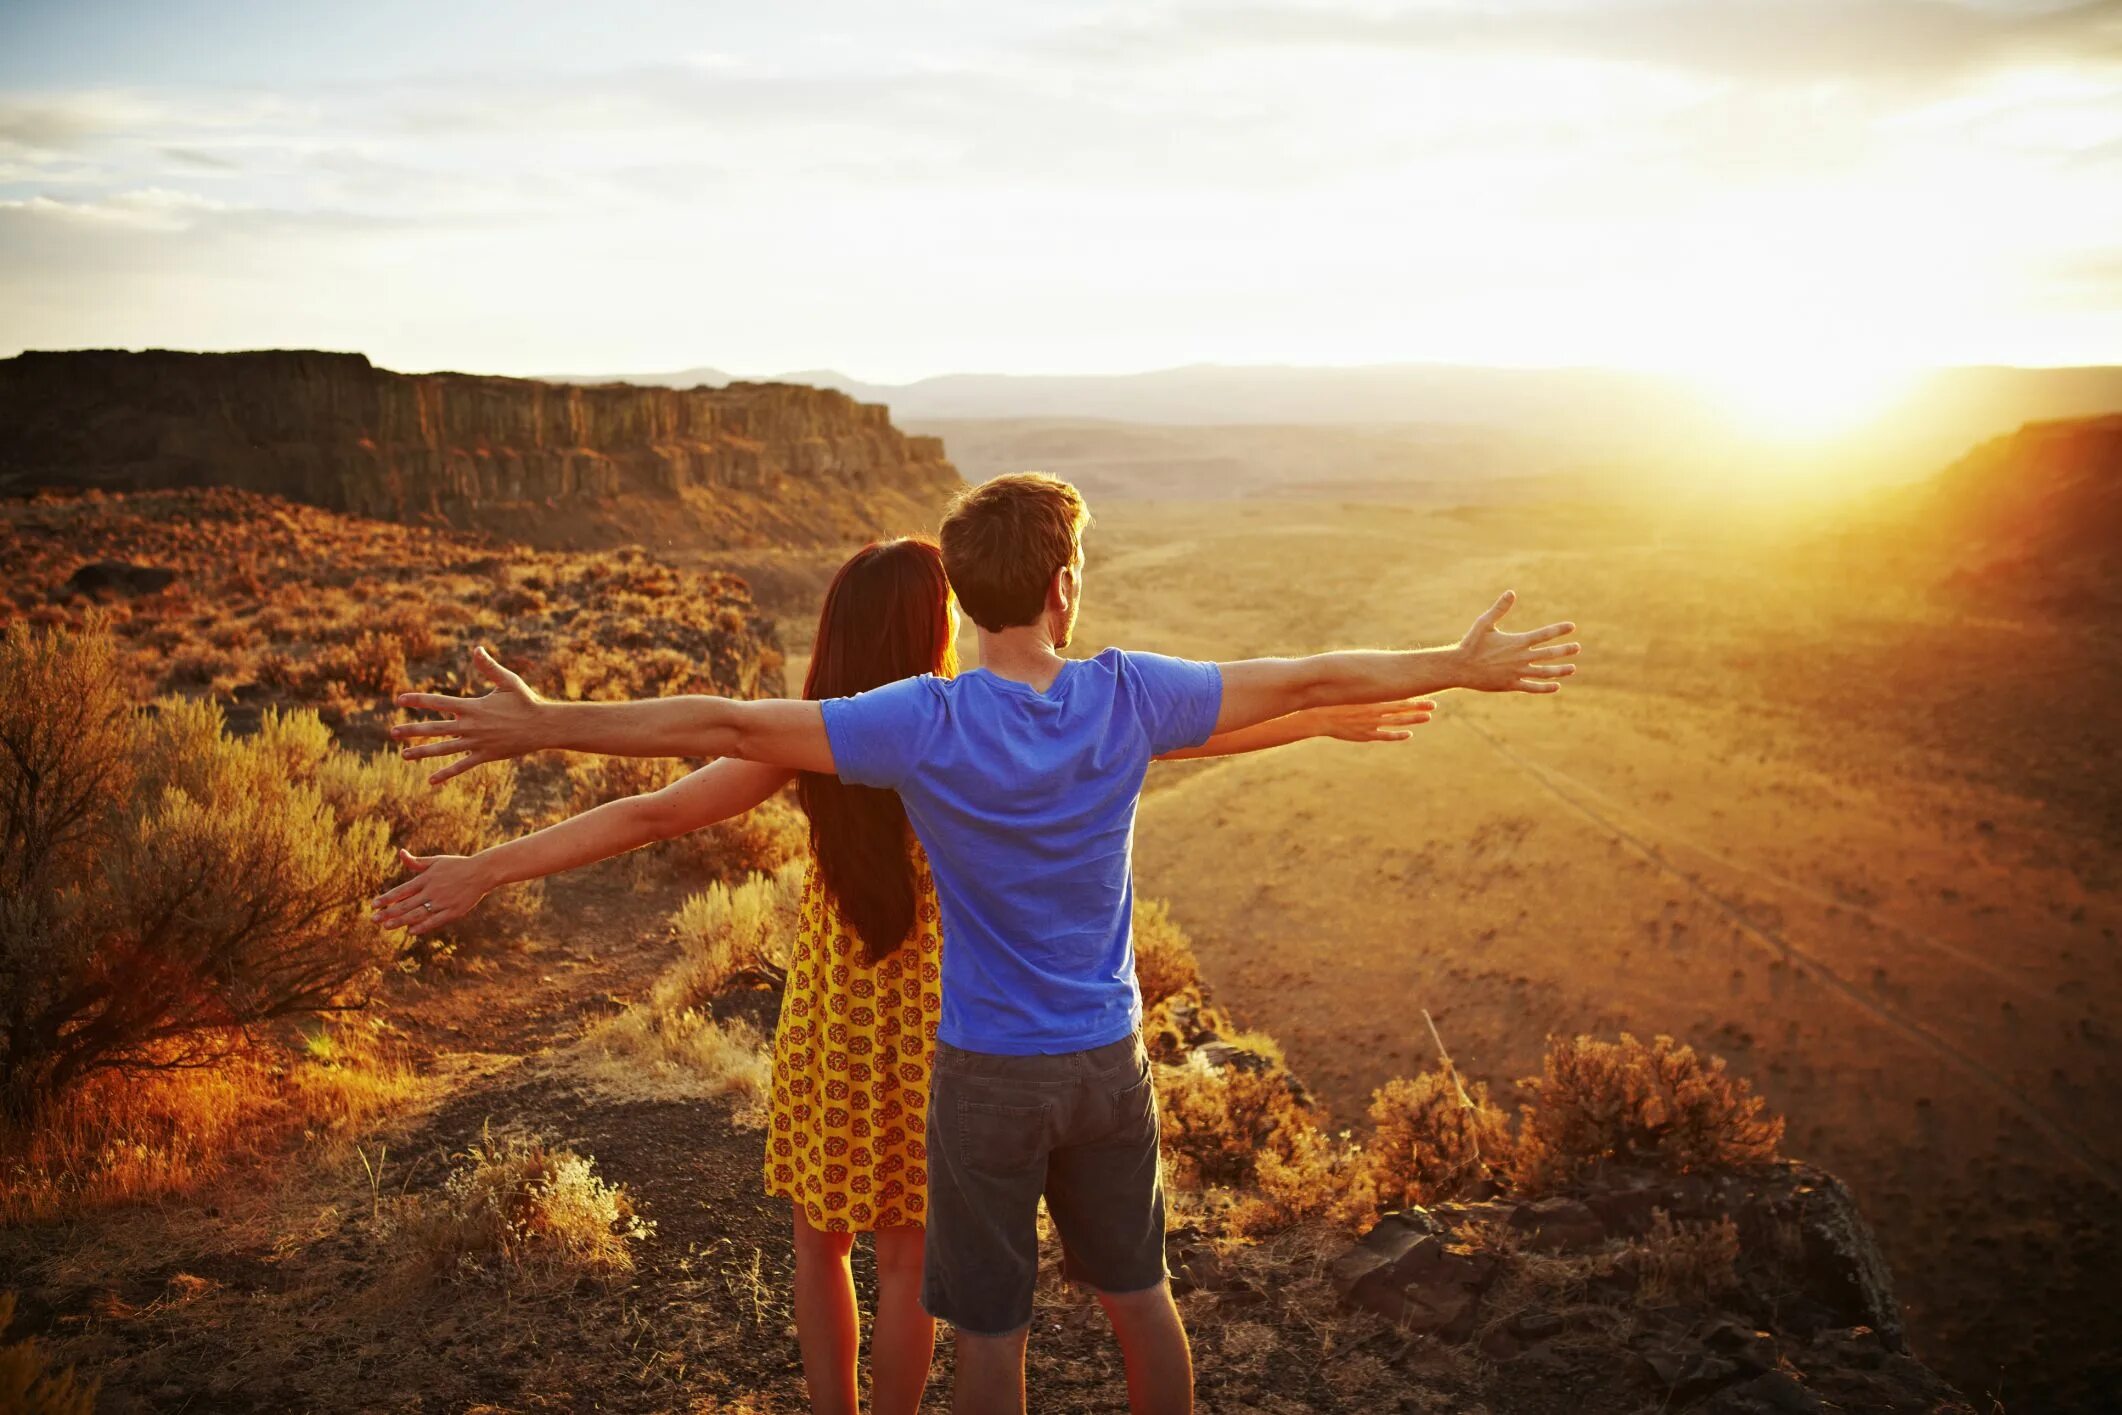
[{"x": 1004, "y": 539}]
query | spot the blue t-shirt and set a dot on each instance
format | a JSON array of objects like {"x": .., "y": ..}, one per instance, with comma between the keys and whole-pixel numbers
[{"x": 1025, "y": 803}]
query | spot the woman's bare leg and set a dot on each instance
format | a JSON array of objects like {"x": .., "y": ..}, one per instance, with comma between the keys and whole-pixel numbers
[
  {"x": 827, "y": 1327},
  {"x": 902, "y": 1337}
]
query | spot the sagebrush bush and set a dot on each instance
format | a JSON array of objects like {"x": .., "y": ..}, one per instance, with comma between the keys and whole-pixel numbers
[
  {"x": 1217, "y": 1120},
  {"x": 372, "y": 666},
  {"x": 1659, "y": 1104},
  {"x": 1164, "y": 956},
  {"x": 28, "y": 1383},
  {"x": 518, "y": 1208},
  {"x": 728, "y": 931},
  {"x": 1429, "y": 1144},
  {"x": 167, "y": 884}
]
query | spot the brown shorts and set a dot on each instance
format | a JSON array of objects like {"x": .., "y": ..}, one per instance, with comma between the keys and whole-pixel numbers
[{"x": 1080, "y": 1128}]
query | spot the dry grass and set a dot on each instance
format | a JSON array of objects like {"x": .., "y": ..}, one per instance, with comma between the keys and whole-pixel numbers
[
  {"x": 1680, "y": 1260},
  {"x": 671, "y": 1046},
  {"x": 118, "y": 1139},
  {"x": 28, "y": 1383},
  {"x": 644, "y": 1054},
  {"x": 726, "y": 932},
  {"x": 517, "y": 1209},
  {"x": 1164, "y": 956}
]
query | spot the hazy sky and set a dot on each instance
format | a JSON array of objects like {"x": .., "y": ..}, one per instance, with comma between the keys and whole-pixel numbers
[{"x": 903, "y": 189}]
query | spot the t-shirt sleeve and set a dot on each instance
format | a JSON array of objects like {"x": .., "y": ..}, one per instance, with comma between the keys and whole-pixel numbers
[
  {"x": 878, "y": 737},
  {"x": 1178, "y": 699}
]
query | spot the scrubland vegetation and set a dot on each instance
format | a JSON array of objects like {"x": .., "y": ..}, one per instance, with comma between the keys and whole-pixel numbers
[{"x": 521, "y": 1173}]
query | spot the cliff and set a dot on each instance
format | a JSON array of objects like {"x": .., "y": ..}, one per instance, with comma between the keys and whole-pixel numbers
[
  {"x": 2033, "y": 517},
  {"x": 552, "y": 464}
]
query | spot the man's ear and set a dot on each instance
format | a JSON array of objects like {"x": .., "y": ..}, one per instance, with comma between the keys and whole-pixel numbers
[{"x": 1061, "y": 593}]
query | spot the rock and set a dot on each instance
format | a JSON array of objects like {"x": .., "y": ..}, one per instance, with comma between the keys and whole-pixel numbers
[
  {"x": 1858, "y": 1348},
  {"x": 1824, "y": 1248},
  {"x": 1627, "y": 1210},
  {"x": 1535, "y": 1324},
  {"x": 1199, "y": 1268},
  {"x": 110, "y": 579},
  {"x": 1408, "y": 1271},
  {"x": 1688, "y": 1374},
  {"x": 1753, "y": 1349},
  {"x": 1560, "y": 1225},
  {"x": 1774, "y": 1393},
  {"x": 1387, "y": 1241},
  {"x": 544, "y": 462}
]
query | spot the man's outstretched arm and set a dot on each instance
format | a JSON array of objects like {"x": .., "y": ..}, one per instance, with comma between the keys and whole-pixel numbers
[
  {"x": 513, "y": 720},
  {"x": 1487, "y": 660}
]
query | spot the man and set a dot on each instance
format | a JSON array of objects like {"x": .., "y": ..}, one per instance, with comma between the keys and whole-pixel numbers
[{"x": 1021, "y": 780}]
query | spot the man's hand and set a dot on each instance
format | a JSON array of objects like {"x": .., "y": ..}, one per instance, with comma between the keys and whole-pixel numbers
[
  {"x": 1491, "y": 661},
  {"x": 1368, "y": 722},
  {"x": 500, "y": 725}
]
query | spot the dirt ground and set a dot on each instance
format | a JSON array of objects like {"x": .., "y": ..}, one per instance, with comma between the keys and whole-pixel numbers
[{"x": 1795, "y": 810}]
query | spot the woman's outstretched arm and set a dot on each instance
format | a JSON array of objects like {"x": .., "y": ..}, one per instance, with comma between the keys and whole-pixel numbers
[
  {"x": 447, "y": 887},
  {"x": 1365, "y": 722}
]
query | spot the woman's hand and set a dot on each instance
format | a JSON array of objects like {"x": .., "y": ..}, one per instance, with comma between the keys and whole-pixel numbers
[
  {"x": 1368, "y": 722},
  {"x": 443, "y": 888}
]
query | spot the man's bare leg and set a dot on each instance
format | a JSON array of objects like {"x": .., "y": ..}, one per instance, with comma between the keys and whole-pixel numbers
[
  {"x": 990, "y": 1378},
  {"x": 1160, "y": 1367}
]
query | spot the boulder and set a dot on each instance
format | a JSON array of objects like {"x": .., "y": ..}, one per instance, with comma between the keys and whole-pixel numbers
[{"x": 115, "y": 579}]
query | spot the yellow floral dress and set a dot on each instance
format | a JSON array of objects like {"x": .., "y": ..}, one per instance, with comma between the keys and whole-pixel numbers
[{"x": 851, "y": 1066}]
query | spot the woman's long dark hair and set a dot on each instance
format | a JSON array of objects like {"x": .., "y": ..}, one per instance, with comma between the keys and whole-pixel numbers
[{"x": 886, "y": 617}]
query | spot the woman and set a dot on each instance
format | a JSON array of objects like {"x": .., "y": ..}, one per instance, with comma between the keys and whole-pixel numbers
[{"x": 858, "y": 1015}]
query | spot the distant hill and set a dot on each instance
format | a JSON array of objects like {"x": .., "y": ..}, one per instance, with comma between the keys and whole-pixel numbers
[
  {"x": 1572, "y": 420},
  {"x": 2035, "y": 516},
  {"x": 746, "y": 464},
  {"x": 1419, "y": 464}
]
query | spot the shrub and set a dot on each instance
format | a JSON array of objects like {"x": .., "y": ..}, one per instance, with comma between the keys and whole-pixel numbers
[
  {"x": 760, "y": 841},
  {"x": 1685, "y": 1260},
  {"x": 1428, "y": 1143},
  {"x": 458, "y": 819},
  {"x": 169, "y": 885},
  {"x": 519, "y": 1208},
  {"x": 1218, "y": 1120},
  {"x": 1658, "y": 1104},
  {"x": 1164, "y": 958},
  {"x": 373, "y": 666},
  {"x": 28, "y": 1384},
  {"x": 725, "y": 933},
  {"x": 119, "y": 1137},
  {"x": 764, "y": 840}
]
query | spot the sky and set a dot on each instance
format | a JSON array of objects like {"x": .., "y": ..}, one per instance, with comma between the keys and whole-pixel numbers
[{"x": 1806, "y": 189}]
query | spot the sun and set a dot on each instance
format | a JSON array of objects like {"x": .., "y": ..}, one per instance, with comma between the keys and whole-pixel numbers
[{"x": 1804, "y": 397}]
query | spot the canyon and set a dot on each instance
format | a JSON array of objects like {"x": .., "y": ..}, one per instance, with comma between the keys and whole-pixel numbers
[{"x": 548, "y": 464}]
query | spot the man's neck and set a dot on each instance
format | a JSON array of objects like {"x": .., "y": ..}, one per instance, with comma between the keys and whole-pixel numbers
[{"x": 1025, "y": 654}]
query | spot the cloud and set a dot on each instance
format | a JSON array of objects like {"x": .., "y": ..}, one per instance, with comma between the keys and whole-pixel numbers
[{"x": 1869, "y": 42}]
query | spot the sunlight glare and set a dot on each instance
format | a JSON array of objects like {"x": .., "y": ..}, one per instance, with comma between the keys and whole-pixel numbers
[{"x": 1804, "y": 398}]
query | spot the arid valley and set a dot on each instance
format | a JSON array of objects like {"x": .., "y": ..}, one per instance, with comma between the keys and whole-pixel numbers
[{"x": 1833, "y": 800}]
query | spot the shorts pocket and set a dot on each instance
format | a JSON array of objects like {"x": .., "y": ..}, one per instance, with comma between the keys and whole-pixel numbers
[
  {"x": 1135, "y": 1107},
  {"x": 1000, "y": 1139}
]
